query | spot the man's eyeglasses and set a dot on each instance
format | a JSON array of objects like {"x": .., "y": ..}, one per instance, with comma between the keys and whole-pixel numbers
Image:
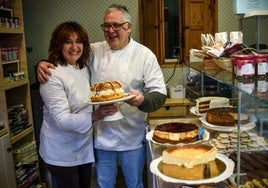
[{"x": 115, "y": 26}]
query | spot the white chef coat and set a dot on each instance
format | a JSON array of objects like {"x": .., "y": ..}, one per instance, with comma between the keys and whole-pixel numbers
[
  {"x": 66, "y": 137},
  {"x": 136, "y": 67}
]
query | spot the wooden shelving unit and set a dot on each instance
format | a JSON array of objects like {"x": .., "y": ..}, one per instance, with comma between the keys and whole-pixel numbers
[{"x": 15, "y": 101}]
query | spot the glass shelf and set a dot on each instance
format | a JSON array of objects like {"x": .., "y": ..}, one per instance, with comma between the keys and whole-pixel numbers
[{"x": 225, "y": 77}]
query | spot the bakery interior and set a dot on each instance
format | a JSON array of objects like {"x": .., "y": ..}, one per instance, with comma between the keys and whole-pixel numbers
[{"x": 189, "y": 76}]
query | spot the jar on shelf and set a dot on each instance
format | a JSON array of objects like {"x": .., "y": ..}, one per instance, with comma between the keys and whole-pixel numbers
[
  {"x": 21, "y": 75},
  {"x": 261, "y": 61},
  {"x": 244, "y": 65},
  {"x": 6, "y": 23},
  {"x": 261, "y": 86},
  {"x": 4, "y": 54},
  {"x": 18, "y": 76},
  {"x": 14, "y": 50},
  {"x": 247, "y": 85},
  {"x": 11, "y": 23},
  {"x": 9, "y": 54},
  {"x": 16, "y": 22}
]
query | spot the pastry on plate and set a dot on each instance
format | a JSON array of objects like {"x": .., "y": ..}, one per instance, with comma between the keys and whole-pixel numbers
[{"x": 106, "y": 91}]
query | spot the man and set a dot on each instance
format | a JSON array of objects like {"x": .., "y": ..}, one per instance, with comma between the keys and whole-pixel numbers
[{"x": 135, "y": 66}]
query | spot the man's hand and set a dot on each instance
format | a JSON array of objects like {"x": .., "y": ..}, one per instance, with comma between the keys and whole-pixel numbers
[
  {"x": 43, "y": 72},
  {"x": 137, "y": 100}
]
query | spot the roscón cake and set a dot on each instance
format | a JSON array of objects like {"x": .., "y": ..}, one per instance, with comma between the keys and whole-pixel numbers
[
  {"x": 189, "y": 155},
  {"x": 176, "y": 132},
  {"x": 203, "y": 104},
  {"x": 106, "y": 91},
  {"x": 225, "y": 116}
]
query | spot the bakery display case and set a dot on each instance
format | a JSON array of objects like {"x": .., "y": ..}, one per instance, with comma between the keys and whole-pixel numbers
[{"x": 242, "y": 147}]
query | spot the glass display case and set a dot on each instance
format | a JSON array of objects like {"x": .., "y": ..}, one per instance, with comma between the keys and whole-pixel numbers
[{"x": 246, "y": 152}]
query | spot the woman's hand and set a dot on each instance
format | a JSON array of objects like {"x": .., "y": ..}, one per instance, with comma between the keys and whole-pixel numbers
[
  {"x": 104, "y": 110},
  {"x": 43, "y": 71}
]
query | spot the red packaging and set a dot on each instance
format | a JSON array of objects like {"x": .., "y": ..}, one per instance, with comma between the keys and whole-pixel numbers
[
  {"x": 244, "y": 65},
  {"x": 261, "y": 61}
]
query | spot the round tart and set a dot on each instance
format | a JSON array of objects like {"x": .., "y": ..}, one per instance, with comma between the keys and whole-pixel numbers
[
  {"x": 189, "y": 155},
  {"x": 177, "y": 132},
  {"x": 225, "y": 116},
  {"x": 195, "y": 173}
]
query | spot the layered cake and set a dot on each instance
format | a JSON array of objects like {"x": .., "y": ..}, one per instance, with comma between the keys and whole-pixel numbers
[
  {"x": 189, "y": 155},
  {"x": 225, "y": 116},
  {"x": 106, "y": 91},
  {"x": 203, "y": 104},
  {"x": 176, "y": 132}
]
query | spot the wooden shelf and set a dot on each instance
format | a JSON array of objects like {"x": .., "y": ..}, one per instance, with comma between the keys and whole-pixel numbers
[
  {"x": 15, "y": 84},
  {"x": 21, "y": 135},
  {"x": 3, "y": 131},
  {"x": 11, "y": 31}
]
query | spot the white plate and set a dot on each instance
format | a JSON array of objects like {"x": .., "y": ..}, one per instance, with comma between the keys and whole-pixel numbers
[
  {"x": 243, "y": 127},
  {"x": 149, "y": 137},
  {"x": 194, "y": 111},
  {"x": 223, "y": 176},
  {"x": 125, "y": 98},
  {"x": 233, "y": 177}
]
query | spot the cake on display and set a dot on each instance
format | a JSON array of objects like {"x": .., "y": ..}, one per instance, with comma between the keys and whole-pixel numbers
[
  {"x": 191, "y": 162},
  {"x": 203, "y": 104},
  {"x": 189, "y": 155},
  {"x": 176, "y": 132},
  {"x": 225, "y": 116}
]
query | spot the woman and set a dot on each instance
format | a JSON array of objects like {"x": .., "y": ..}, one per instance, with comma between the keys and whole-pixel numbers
[{"x": 66, "y": 135}]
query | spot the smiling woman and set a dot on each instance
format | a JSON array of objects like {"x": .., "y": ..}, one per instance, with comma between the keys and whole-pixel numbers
[{"x": 66, "y": 117}]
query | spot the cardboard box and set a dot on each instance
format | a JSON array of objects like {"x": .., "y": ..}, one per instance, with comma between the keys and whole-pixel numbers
[
  {"x": 177, "y": 92},
  {"x": 195, "y": 59},
  {"x": 245, "y": 6}
]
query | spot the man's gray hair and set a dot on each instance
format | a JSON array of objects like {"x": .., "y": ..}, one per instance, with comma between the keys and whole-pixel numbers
[{"x": 122, "y": 8}]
